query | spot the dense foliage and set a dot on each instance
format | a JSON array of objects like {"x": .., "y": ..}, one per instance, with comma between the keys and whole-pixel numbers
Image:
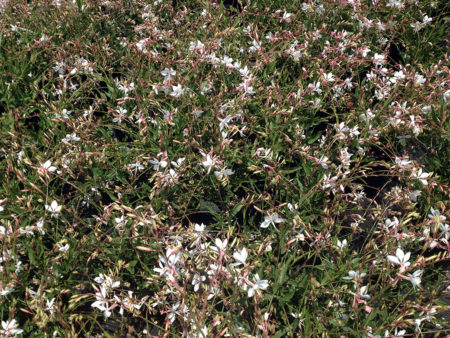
[{"x": 224, "y": 168}]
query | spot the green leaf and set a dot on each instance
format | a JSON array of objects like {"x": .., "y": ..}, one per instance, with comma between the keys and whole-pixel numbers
[
  {"x": 32, "y": 256},
  {"x": 131, "y": 266},
  {"x": 307, "y": 322},
  {"x": 80, "y": 5},
  {"x": 236, "y": 209}
]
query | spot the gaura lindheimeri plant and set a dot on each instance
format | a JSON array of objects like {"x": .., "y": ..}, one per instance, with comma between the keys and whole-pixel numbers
[{"x": 224, "y": 168}]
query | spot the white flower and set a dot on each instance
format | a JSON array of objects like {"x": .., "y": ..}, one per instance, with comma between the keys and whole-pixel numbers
[
  {"x": 125, "y": 87},
  {"x": 416, "y": 26},
  {"x": 296, "y": 54},
  {"x": 399, "y": 75},
  {"x": 107, "y": 282},
  {"x": 198, "y": 45},
  {"x": 50, "y": 306},
  {"x": 396, "y": 3},
  {"x": 208, "y": 162},
  {"x": 391, "y": 223},
  {"x": 415, "y": 277},
  {"x": 287, "y": 16},
  {"x": 173, "y": 255},
  {"x": 378, "y": 59},
  {"x": 328, "y": 77},
  {"x": 197, "y": 282},
  {"x": 227, "y": 61},
  {"x": 168, "y": 73},
  {"x": 414, "y": 194},
  {"x": 71, "y": 138},
  {"x": 63, "y": 248},
  {"x": 354, "y": 275},
  {"x": 245, "y": 72},
  {"x": 402, "y": 163},
  {"x": 64, "y": 114},
  {"x": 292, "y": 208},
  {"x": 419, "y": 80},
  {"x": 445, "y": 230},
  {"x": 47, "y": 166},
  {"x": 203, "y": 332},
  {"x": 54, "y": 208},
  {"x": 329, "y": 182},
  {"x": 341, "y": 245},
  {"x": 345, "y": 157},
  {"x": 256, "y": 46},
  {"x": 296, "y": 315},
  {"x": 178, "y": 163},
  {"x": 223, "y": 173},
  {"x": 199, "y": 227},
  {"x": 258, "y": 285},
  {"x": 6, "y": 291},
  {"x": 224, "y": 123},
  {"x": 266, "y": 154},
  {"x": 102, "y": 302},
  {"x": 157, "y": 164},
  {"x": 122, "y": 112},
  {"x": 120, "y": 220},
  {"x": 323, "y": 161},
  {"x": 362, "y": 293},
  {"x": 177, "y": 91},
  {"x": 426, "y": 109},
  {"x": 241, "y": 256},
  {"x": 167, "y": 266},
  {"x": 426, "y": 20},
  {"x": 248, "y": 90},
  {"x": 164, "y": 268},
  {"x": 141, "y": 44},
  {"x": 136, "y": 166},
  {"x": 271, "y": 219},
  {"x": 399, "y": 334},
  {"x": 9, "y": 328},
  {"x": 446, "y": 95},
  {"x": 320, "y": 9},
  {"x": 220, "y": 245},
  {"x": 315, "y": 87},
  {"x": 172, "y": 176},
  {"x": 401, "y": 259},
  {"x": 422, "y": 176},
  {"x": 436, "y": 215},
  {"x": 173, "y": 312}
]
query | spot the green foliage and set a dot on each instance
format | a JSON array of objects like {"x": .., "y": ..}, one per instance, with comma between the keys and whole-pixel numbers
[{"x": 205, "y": 168}]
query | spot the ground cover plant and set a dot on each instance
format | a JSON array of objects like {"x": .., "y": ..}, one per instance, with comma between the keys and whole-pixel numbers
[{"x": 224, "y": 168}]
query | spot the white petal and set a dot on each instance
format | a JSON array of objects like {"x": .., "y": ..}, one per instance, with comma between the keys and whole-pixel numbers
[
  {"x": 417, "y": 273},
  {"x": 262, "y": 284},
  {"x": 251, "y": 292},
  {"x": 400, "y": 254},
  {"x": 393, "y": 259},
  {"x": 407, "y": 256},
  {"x": 218, "y": 242},
  {"x": 225, "y": 243},
  {"x": 265, "y": 223},
  {"x": 244, "y": 255}
]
